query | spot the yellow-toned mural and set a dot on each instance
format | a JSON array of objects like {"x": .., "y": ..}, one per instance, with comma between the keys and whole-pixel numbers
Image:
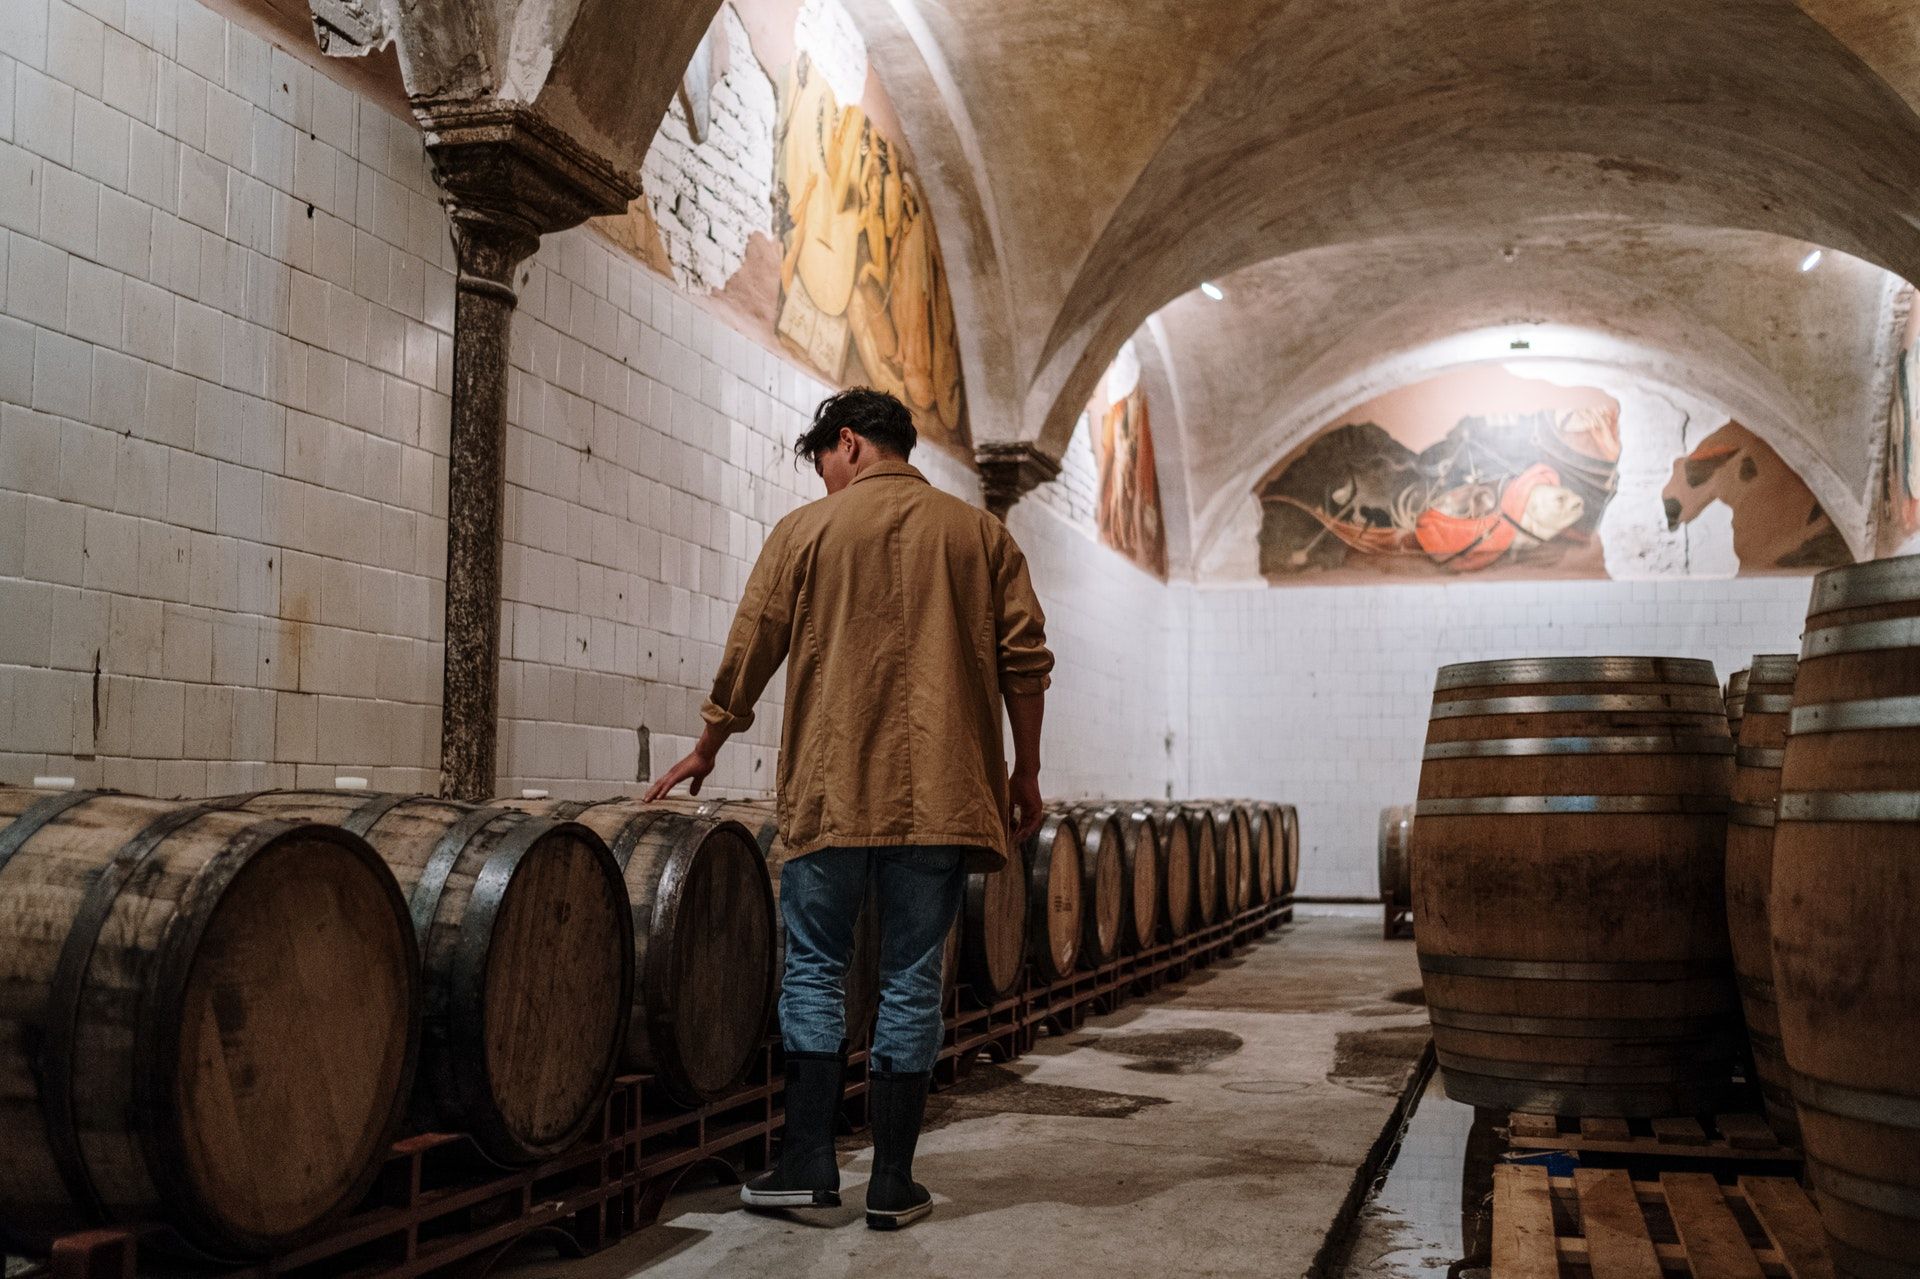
[
  {"x": 1128, "y": 497},
  {"x": 789, "y": 198},
  {"x": 1900, "y": 495}
]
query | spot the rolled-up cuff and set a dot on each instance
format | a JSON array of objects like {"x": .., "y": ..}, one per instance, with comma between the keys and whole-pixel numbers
[
  {"x": 715, "y": 714},
  {"x": 1021, "y": 685}
]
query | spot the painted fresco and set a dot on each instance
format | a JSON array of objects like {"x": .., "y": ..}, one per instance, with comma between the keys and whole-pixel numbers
[
  {"x": 780, "y": 187},
  {"x": 1778, "y": 524},
  {"x": 1899, "y": 524},
  {"x": 1484, "y": 474},
  {"x": 1127, "y": 507}
]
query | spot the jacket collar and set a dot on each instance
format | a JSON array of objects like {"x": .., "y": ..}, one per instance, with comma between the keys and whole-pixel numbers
[{"x": 888, "y": 466}]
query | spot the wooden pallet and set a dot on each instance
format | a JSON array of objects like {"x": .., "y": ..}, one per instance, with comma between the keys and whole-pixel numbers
[
  {"x": 1743, "y": 1139},
  {"x": 1600, "y": 1222}
]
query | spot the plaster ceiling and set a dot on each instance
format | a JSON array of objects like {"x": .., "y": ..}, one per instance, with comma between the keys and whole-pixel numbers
[{"x": 1351, "y": 169}]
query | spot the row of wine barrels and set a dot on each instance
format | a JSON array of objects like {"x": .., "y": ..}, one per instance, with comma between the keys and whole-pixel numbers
[
  {"x": 761, "y": 819},
  {"x": 211, "y": 1020},
  {"x": 1396, "y": 868},
  {"x": 1845, "y": 912},
  {"x": 1568, "y": 879},
  {"x": 703, "y": 940},
  {"x": 526, "y": 941},
  {"x": 1766, "y": 705}
]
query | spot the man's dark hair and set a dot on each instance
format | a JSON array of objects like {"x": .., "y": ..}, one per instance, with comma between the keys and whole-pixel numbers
[{"x": 871, "y": 414}]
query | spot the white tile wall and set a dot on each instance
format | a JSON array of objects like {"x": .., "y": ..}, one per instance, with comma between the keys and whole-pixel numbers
[{"x": 1320, "y": 695}]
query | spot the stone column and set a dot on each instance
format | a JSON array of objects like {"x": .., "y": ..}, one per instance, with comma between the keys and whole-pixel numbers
[
  {"x": 1011, "y": 470},
  {"x": 507, "y": 179}
]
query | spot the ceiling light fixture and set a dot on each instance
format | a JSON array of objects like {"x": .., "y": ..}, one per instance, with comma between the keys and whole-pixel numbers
[
  {"x": 1812, "y": 259},
  {"x": 1212, "y": 290}
]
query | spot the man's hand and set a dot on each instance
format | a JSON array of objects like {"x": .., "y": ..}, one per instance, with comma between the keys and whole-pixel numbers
[
  {"x": 1025, "y": 809},
  {"x": 696, "y": 766}
]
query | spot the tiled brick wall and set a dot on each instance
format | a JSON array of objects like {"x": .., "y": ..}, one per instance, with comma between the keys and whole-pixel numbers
[{"x": 1320, "y": 695}]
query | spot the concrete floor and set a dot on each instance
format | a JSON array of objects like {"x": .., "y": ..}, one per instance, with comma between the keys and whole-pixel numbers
[{"x": 1214, "y": 1129}]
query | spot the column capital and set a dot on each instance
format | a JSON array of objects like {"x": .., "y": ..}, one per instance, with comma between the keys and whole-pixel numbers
[{"x": 1009, "y": 470}]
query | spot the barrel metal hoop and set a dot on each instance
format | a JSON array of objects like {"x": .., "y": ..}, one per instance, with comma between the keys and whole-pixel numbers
[
  {"x": 66, "y": 991},
  {"x": 1504, "y": 747},
  {"x": 365, "y": 817},
  {"x": 1855, "y": 1264},
  {"x": 1645, "y": 1076},
  {"x": 1548, "y": 805},
  {"x": 1571, "y": 670},
  {"x": 1897, "y": 1110},
  {"x": 1766, "y": 704},
  {"x": 1889, "y": 581},
  {"x": 1774, "y": 668},
  {"x": 1703, "y": 703},
  {"x": 1757, "y": 815},
  {"x": 1889, "y": 1198},
  {"x": 1850, "y": 806},
  {"x": 1706, "y": 1026},
  {"x": 1569, "y": 970},
  {"x": 1756, "y": 988},
  {"x": 1761, "y": 756},
  {"x": 34, "y": 817},
  {"x": 424, "y": 902},
  {"x": 1862, "y": 637},
  {"x": 568, "y": 810},
  {"x": 1865, "y": 713}
]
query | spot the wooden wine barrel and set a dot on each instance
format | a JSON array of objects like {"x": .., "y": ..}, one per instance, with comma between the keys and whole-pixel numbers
[
  {"x": 1209, "y": 888},
  {"x": 703, "y": 938},
  {"x": 1846, "y": 912},
  {"x": 1396, "y": 868},
  {"x": 1055, "y": 901},
  {"x": 1176, "y": 869},
  {"x": 209, "y": 1019},
  {"x": 1144, "y": 867},
  {"x": 1760, "y": 750},
  {"x": 1736, "y": 701},
  {"x": 1235, "y": 842},
  {"x": 1290, "y": 844},
  {"x": 526, "y": 938},
  {"x": 1567, "y": 876},
  {"x": 993, "y": 931},
  {"x": 762, "y": 819},
  {"x": 1261, "y": 832},
  {"x": 1103, "y": 882}
]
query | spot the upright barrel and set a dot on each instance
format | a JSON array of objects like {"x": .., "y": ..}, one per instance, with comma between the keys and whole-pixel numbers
[
  {"x": 703, "y": 943},
  {"x": 1768, "y": 702},
  {"x": 862, "y": 981},
  {"x": 1176, "y": 869},
  {"x": 210, "y": 1020},
  {"x": 1103, "y": 882},
  {"x": 1055, "y": 897},
  {"x": 526, "y": 939},
  {"x": 1209, "y": 898},
  {"x": 1396, "y": 867},
  {"x": 993, "y": 930},
  {"x": 1845, "y": 912},
  {"x": 1567, "y": 876},
  {"x": 1144, "y": 866},
  {"x": 1736, "y": 701}
]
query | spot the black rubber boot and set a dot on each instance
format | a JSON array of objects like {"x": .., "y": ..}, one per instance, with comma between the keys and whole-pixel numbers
[
  {"x": 807, "y": 1175},
  {"x": 896, "y": 1102}
]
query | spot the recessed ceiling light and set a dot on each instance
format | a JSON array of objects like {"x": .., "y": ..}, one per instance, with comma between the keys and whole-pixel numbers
[
  {"x": 1812, "y": 259},
  {"x": 1212, "y": 290}
]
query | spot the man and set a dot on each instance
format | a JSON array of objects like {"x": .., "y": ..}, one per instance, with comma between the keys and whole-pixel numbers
[{"x": 905, "y": 617}]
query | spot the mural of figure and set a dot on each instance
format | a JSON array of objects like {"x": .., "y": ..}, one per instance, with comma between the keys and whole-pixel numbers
[{"x": 1127, "y": 503}]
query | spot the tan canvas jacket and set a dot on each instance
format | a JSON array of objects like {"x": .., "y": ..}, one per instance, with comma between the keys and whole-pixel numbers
[{"x": 902, "y": 613}]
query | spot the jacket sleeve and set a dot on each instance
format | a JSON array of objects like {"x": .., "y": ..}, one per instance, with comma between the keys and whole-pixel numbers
[
  {"x": 757, "y": 642},
  {"x": 1026, "y": 663}
]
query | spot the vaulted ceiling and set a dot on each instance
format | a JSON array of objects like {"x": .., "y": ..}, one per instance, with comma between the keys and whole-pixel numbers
[{"x": 1367, "y": 180}]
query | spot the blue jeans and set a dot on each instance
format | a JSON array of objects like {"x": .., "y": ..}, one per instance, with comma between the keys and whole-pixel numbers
[{"x": 821, "y": 895}]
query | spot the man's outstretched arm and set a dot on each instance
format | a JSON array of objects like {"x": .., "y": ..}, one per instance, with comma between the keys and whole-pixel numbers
[{"x": 756, "y": 645}]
